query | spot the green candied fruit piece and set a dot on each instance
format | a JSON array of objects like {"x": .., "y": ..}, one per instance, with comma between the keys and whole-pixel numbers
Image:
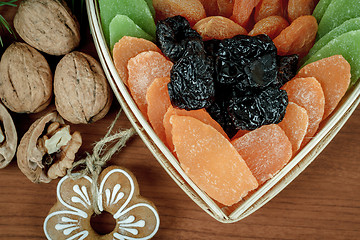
[
  {"x": 137, "y": 10},
  {"x": 320, "y": 9},
  {"x": 122, "y": 25},
  {"x": 347, "y": 45},
  {"x": 349, "y": 25},
  {"x": 151, "y": 7},
  {"x": 338, "y": 12}
]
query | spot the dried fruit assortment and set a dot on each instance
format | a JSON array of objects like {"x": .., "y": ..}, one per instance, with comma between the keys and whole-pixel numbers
[{"x": 225, "y": 83}]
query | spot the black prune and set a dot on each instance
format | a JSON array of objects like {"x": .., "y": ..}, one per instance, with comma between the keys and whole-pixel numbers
[
  {"x": 192, "y": 84},
  {"x": 287, "y": 68},
  {"x": 255, "y": 109},
  {"x": 218, "y": 111},
  {"x": 173, "y": 36},
  {"x": 247, "y": 62}
]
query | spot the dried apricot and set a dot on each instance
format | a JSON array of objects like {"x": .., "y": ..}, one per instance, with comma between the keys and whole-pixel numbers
[
  {"x": 129, "y": 47},
  {"x": 192, "y": 10},
  {"x": 267, "y": 8},
  {"x": 333, "y": 73},
  {"x": 265, "y": 150},
  {"x": 200, "y": 114},
  {"x": 243, "y": 10},
  {"x": 158, "y": 102},
  {"x": 297, "y": 38},
  {"x": 211, "y": 7},
  {"x": 297, "y": 8},
  {"x": 218, "y": 27},
  {"x": 211, "y": 161},
  {"x": 271, "y": 26},
  {"x": 143, "y": 69},
  {"x": 295, "y": 124},
  {"x": 225, "y": 7},
  {"x": 307, "y": 93}
]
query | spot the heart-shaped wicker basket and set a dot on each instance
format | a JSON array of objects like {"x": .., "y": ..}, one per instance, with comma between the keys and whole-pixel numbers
[{"x": 327, "y": 131}]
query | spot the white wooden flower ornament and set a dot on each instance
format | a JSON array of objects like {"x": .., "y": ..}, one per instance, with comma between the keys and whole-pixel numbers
[{"x": 136, "y": 217}]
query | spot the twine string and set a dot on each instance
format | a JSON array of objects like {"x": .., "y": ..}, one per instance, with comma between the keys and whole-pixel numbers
[{"x": 93, "y": 163}]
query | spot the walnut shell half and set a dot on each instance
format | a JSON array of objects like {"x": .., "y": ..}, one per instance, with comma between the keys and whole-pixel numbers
[
  {"x": 47, "y": 25},
  {"x": 8, "y": 137},
  {"x": 82, "y": 93},
  {"x": 47, "y": 149},
  {"x": 25, "y": 79}
]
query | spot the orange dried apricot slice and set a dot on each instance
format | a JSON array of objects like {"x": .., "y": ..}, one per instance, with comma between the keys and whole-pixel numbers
[
  {"x": 129, "y": 47},
  {"x": 271, "y": 26},
  {"x": 158, "y": 102},
  {"x": 266, "y": 150},
  {"x": 242, "y": 11},
  {"x": 218, "y": 27},
  {"x": 211, "y": 161},
  {"x": 307, "y": 93},
  {"x": 333, "y": 73},
  {"x": 297, "y": 38},
  {"x": 225, "y": 7},
  {"x": 267, "y": 8},
  {"x": 295, "y": 124},
  {"x": 200, "y": 114},
  {"x": 211, "y": 7},
  {"x": 297, "y": 8},
  {"x": 143, "y": 69},
  {"x": 192, "y": 10}
]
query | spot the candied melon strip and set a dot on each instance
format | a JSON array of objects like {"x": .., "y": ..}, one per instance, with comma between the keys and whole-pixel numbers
[
  {"x": 333, "y": 73},
  {"x": 210, "y": 160},
  {"x": 295, "y": 124},
  {"x": 266, "y": 151},
  {"x": 200, "y": 114}
]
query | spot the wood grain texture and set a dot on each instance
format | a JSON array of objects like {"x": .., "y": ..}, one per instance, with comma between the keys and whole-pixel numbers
[{"x": 322, "y": 203}]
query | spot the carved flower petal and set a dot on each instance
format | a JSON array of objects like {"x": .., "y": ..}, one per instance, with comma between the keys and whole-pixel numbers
[
  {"x": 139, "y": 221},
  {"x": 67, "y": 224},
  {"x": 116, "y": 189}
]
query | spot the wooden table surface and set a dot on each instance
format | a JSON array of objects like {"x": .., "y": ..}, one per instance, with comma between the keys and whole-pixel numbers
[{"x": 322, "y": 203}]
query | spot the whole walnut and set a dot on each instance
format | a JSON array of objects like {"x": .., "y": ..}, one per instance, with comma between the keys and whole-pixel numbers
[
  {"x": 47, "y": 149},
  {"x": 8, "y": 137},
  {"x": 25, "y": 79},
  {"x": 82, "y": 93},
  {"x": 47, "y": 25}
]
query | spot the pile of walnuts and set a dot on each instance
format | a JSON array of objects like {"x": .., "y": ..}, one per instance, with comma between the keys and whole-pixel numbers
[{"x": 27, "y": 85}]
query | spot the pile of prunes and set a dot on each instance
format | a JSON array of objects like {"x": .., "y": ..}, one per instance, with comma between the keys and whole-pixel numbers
[{"x": 237, "y": 80}]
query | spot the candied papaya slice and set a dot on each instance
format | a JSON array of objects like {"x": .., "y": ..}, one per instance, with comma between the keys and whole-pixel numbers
[
  {"x": 242, "y": 11},
  {"x": 266, "y": 150},
  {"x": 333, "y": 73},
  {"x": 158, "y": 102},
  {"x": 136, "y": 10},
  {"x": 297, "y": 38},
  {"x": 225, "y": 7},
  {"x": 295, "y": 124},
  {"x": 320, "y": 9},
  {"x": 218, "y": 27},
  {"x": 297, "y": 8},
  {"x": 121, "y": 26},
  {"x": 307, "y": 93},
  {"x": 210, "y": 160},
  {"x": 126, "y": 48},
  {"x": 143, "y": 69},
  {"x": 200, "y": 114},
  {"x": 267, "y": 8},
  {"x": 239, "y": 133},
  {"x": 211, "y": 7},
  {"x": 192, "y": 10},
  {"x": 271, "y": 26},
  {"x": 336, "y": 13},
  {"x": 347, "y": 26},
  {"x": 347, "y": 45}
]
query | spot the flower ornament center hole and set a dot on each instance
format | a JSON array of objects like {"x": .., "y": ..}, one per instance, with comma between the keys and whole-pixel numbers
[{"x": 103, "y": 223}]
